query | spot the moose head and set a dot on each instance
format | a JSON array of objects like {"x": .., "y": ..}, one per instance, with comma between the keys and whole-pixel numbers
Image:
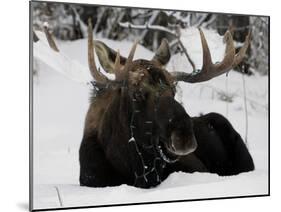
[{"x": 134, "y": 126}]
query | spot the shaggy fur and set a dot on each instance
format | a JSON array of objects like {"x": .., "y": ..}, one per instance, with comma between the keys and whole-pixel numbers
[{"x": 107, "y": 158}]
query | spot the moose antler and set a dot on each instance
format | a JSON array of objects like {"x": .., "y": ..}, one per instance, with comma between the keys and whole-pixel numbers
[
  {"x": 121, "y": 74},
  {"x": 98, "y": 76},
  {"x": 130, "y": 57},
  {"x": 49, "y": 37},
  {"x": 209, "y": 69},
  {"x": 117, "y": 67}
]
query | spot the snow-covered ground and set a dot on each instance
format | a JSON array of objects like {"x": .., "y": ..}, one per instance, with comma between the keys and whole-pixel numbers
[{"x": 61, "y": 102}]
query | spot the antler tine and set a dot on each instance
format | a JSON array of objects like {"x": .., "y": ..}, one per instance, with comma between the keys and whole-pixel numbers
[
  {"x": 117, "y": 61},
  {"x": 130, "y": 57},
  {"x": 207, "y": 59},
  {"x": 98, "y": 76},
  {"x": 229, "y": 55},
  {"x": 117, "y": 67},
  {"x": 242, "y": 52},
  {"x": 49, "y": 37},
  {"x": 209, "y": 69}
]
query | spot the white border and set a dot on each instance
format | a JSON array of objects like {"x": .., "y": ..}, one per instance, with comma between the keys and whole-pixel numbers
[{"x": 14, "y": 115}]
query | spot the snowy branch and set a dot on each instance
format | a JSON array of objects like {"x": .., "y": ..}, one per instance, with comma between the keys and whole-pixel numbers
[
  {"x": 83, "y": 27},
  {"x": 150, "y": 21},
  {"x": 147, "y": 27},
  {"x": 201, "y": 20}
]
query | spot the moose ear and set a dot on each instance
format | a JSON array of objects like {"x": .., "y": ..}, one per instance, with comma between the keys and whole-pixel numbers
[
  {"x": 162, "y": 55},
  {"x": 107, "y": 57}
]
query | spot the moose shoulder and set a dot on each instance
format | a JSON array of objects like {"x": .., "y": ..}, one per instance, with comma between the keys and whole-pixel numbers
[{"x": 136, "y": 133}]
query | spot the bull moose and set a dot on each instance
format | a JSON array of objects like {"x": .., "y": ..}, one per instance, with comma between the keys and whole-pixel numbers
[{"x": 136, "y": 133}]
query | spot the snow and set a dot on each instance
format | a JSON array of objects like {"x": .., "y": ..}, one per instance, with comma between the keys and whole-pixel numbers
[{"x": 61, "y": 98}]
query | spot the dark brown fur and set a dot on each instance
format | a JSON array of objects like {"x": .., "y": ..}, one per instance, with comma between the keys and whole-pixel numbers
[{"x": 135, "y": 130}]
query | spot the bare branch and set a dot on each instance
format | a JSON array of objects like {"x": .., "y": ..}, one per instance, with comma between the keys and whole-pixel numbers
[
  {"x": 201, "y": 20},
  {"x": 187, "y": 55},
  {"x": 162, "y": 29}
]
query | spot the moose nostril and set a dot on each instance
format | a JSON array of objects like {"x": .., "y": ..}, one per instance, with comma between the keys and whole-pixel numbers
[{"x": 182, "y": 146}]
